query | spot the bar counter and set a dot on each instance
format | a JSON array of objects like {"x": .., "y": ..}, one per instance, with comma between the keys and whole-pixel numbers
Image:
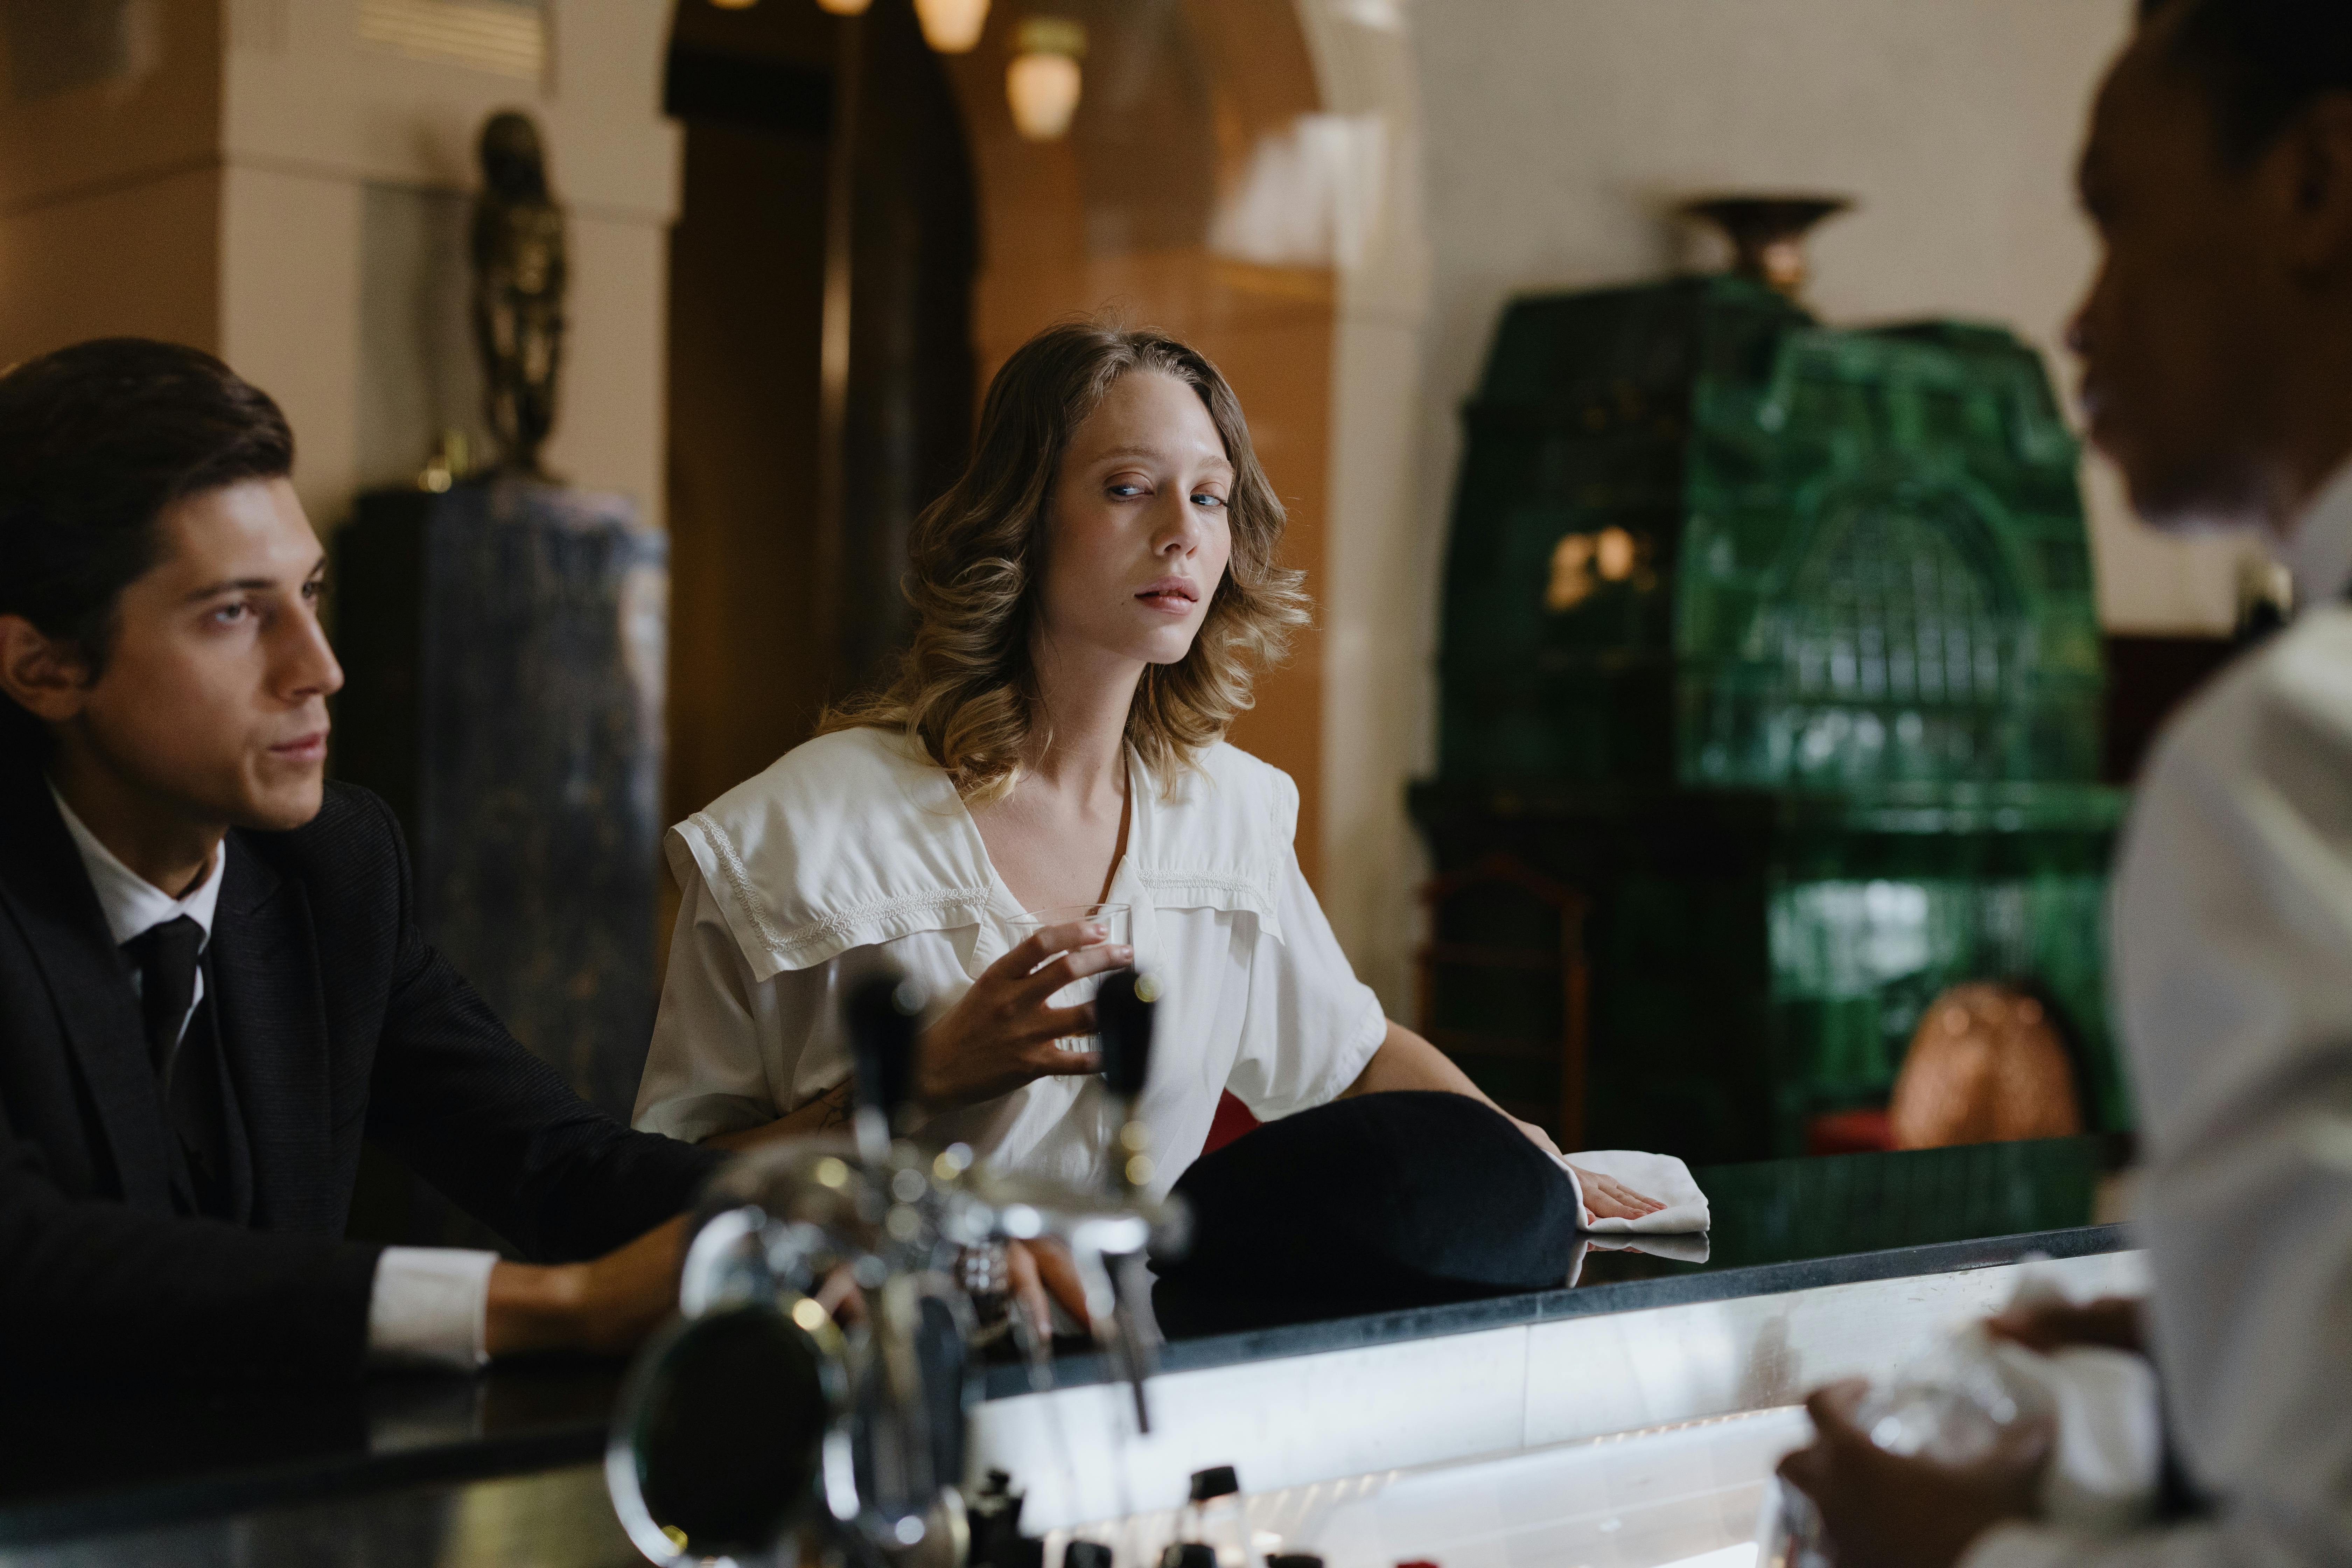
[{"x": 506, "y": 1468}]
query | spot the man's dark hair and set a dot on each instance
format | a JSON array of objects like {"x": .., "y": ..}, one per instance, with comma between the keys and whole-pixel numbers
[
  {"x": 2265, "y": 61},
  {"x": 95, "y": 441}
]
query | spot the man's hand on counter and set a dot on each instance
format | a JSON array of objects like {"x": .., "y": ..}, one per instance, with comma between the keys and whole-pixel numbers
[
  {"x": 604, "y": 1307},
  {"x": 1888, "y": 1510}
]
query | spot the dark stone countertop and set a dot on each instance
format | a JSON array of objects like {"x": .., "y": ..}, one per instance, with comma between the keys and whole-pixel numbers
[
  {"x": 75, "y": 1463},
  {"x": 72, "y": 1463},
  {"x": 1778, "y": 1225}
]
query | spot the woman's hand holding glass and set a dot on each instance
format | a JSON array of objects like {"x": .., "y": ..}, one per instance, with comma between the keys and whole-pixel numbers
[{"x": 1004, "y": 1032}]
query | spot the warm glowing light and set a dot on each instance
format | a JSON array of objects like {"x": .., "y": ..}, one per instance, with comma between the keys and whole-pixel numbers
[
  {"x": 1613, "y": 552},
  {"x": 1043, "y": 93},
  {"x": 844, "y": 7},
  {"x": 734, "y": 5},
  {"x": 951, "y": 27},
  {"x": 1572, "y": 575},
  {"x": 1042, "y": 83}
]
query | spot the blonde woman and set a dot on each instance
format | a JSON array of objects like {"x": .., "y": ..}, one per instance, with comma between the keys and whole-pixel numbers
[{"x": 1093, "y": 597}]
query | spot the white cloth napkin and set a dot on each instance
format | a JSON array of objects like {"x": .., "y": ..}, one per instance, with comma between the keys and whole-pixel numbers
[{"x": 1659, "y": 1176}]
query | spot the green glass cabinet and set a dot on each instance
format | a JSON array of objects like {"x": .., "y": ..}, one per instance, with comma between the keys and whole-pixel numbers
[{"x": 1776, "y": 643}]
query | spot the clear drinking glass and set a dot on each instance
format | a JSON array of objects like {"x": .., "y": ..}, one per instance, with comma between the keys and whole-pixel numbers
[{"x": 1116, "y": 923}]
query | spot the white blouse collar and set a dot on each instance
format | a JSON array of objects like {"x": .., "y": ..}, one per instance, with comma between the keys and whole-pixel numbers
[{"x": 855, "y": 838}]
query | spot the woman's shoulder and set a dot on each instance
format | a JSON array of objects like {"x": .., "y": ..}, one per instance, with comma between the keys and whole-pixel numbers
[
  {"x": 1226, "y": 782},
  {"x": 1218, "y": 835},
  {"x": 823, "y": 770},
  {"x": 850, "y": 838}
]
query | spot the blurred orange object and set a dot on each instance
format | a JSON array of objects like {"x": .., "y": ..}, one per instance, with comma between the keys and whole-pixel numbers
[{"x": 1985, "y": 1067}]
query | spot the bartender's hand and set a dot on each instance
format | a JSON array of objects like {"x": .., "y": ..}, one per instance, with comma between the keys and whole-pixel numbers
[
  {"x": 999, "y": 1034},
  {"x": 604, "y": 1307},
  {"x": 2111, "y": 1320},
  {"x": 1885, "y": 1510}
]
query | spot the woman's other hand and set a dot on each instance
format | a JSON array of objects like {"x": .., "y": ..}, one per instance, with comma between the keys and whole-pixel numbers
[
  {"x": 1607, "y": 1198},
  {"x": 1002, "y": 1032},
  {"x": 1406, "y": 1061},
  {"x": 1536, "y": 1136}
]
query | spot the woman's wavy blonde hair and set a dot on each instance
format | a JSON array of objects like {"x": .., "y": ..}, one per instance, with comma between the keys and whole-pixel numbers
[{"x": 966, "y": 690}]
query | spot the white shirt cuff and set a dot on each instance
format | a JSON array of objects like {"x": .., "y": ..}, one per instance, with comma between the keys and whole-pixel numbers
[{"x": 430, "y": 1308}]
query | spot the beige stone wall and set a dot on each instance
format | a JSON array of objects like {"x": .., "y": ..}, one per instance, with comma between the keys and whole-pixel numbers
[
  {"x": 315, "y": 118},
  {"x": 214, "y": 189},
  {"x": 109, "y": 191}
]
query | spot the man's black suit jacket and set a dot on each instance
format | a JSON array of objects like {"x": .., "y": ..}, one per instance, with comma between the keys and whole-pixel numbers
[{"x": 337, "y": 1021}]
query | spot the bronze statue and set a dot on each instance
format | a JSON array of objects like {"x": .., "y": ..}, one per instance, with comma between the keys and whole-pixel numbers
[{"x": 518, "y": 280}]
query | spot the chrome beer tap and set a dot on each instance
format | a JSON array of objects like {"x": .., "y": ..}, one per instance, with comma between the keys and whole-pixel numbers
[
  {"x": 864, "y": 1426},
  {"x": 754, "y": 1415},
  {"x": 1108, "y": 1233}
]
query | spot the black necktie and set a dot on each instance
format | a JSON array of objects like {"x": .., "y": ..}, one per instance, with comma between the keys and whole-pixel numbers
[{"x": 167, "y": 957}]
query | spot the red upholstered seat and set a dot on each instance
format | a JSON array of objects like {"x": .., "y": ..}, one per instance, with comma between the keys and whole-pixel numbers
[{"x": 1233, "y": 1120}]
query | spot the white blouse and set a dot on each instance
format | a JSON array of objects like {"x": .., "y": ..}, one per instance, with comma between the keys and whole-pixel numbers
[{"x": 854, "y": 849}]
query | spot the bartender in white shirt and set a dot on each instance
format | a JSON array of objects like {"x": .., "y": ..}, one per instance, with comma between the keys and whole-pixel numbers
[{"x": 2217, "y": 347}]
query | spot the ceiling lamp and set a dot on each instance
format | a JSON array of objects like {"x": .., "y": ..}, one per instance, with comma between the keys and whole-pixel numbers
[
  {"x": 951, "y": 27},
  {"x": 1042, "y": 83},
  {"x": 844, "y": 7}
]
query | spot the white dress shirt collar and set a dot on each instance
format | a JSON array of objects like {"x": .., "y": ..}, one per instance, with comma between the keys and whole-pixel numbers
[
  {"x": 2319, "y": 552},
  {"x": 133, "y": 904}
]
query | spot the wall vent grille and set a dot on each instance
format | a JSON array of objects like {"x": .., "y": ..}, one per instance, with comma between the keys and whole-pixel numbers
[{"x": 506, "y": 37}]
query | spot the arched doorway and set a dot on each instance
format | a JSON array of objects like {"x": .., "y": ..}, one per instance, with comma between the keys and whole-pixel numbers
[{"x": 789, "y": 507}]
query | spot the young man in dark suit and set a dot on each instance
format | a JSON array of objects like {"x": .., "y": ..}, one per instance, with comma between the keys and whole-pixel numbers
[{"x": 211, "y": 985}]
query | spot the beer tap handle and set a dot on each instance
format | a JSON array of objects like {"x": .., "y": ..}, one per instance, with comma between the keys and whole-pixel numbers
[
  {"x": 884, "y": 1014},
  {"x": 1124, "y": 1013},
  {"x": 1123, "y": 1017}
]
